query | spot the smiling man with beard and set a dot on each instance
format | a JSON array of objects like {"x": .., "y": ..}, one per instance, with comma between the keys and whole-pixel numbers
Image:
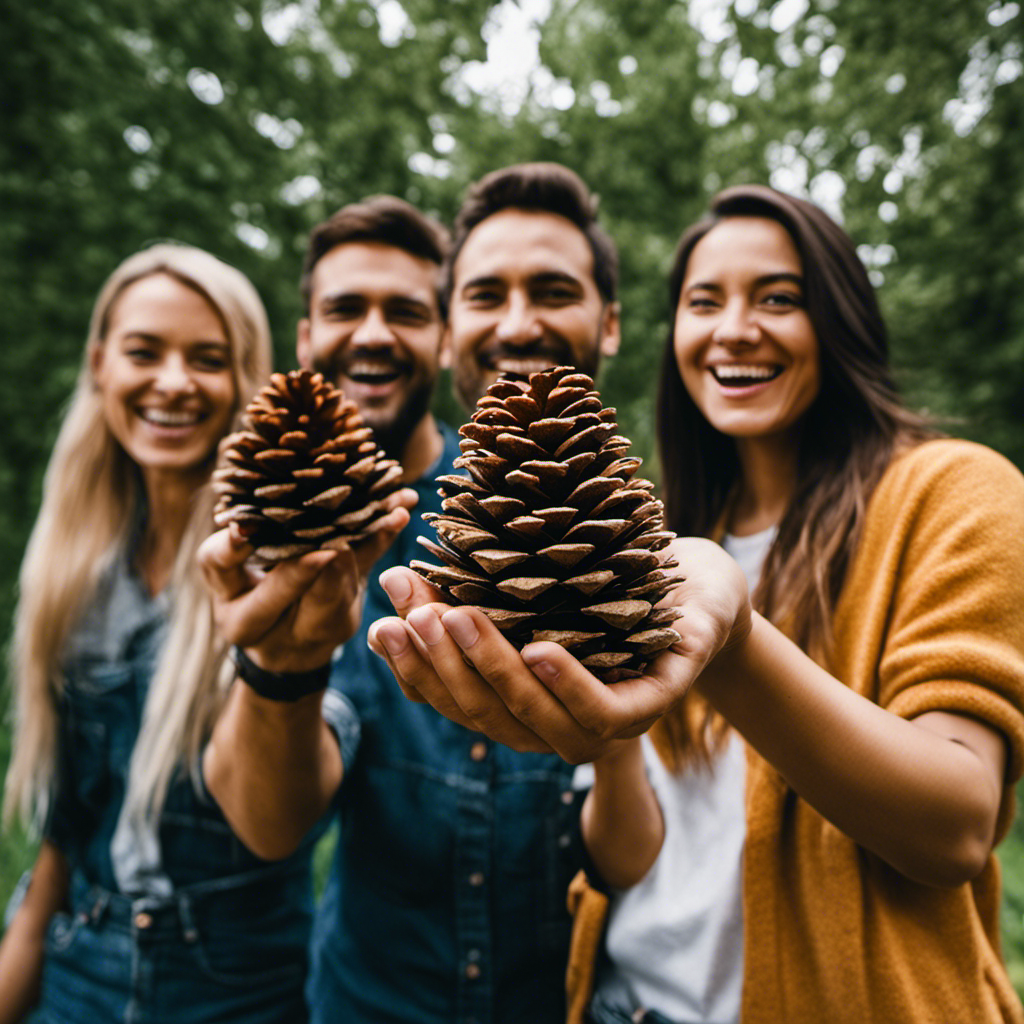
[
  {"x": 531, "y": 279},
  {"x": 446, "y": 900},
  {"x": 373, "y": 320}
]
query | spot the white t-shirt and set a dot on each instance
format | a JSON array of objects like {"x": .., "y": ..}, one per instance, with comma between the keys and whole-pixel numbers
[{"x": 675, "y": 939}]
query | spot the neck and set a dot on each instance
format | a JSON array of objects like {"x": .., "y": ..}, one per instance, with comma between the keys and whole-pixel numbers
[
  {"x": 422, "y": 449},
  {"x": 169, "y": 500},
  {"x": 768, "y": 469}
]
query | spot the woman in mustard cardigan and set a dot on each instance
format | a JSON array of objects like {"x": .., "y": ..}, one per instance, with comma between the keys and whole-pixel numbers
[{"x": 806, "y": 836}]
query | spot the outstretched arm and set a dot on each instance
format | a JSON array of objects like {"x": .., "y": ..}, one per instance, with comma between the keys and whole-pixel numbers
[
  {"x": 273, "y": 765},
  {"x": 923, "y": 794},
  {"x": 621, "y": 819},
  {"x": 22, "y": 949}
]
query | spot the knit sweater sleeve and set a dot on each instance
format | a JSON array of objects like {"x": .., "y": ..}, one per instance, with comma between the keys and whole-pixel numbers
[{"x": 946, "y": 526}]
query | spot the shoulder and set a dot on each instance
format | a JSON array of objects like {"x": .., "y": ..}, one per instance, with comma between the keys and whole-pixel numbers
[
  {"x": 962, "y": 476},
  {"x": 953, "y": 460}
]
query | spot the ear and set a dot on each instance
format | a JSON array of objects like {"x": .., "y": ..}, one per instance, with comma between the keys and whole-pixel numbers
[
  {"x": 96, "y": 363},
  {"x": 303, "y": 344},
  {"x": 444, "y": 353},
  {"x": 610, "y": 336}
]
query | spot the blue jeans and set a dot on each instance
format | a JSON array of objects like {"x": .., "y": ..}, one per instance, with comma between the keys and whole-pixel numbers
[
  {"x": 601, "y": 1012},
  {"x": 194, "y": 958}
]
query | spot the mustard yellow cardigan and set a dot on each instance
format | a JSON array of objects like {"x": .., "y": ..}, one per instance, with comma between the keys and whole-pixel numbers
[{"x": 931, "y": 618}]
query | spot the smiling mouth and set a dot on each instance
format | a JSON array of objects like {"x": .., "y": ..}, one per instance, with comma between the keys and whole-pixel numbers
[
  {"x": 735, "y": 375},
  {"x": 167, "y": 418},
  {"x": 521, "y": 360},
  {"x": 364, "y": 371}
]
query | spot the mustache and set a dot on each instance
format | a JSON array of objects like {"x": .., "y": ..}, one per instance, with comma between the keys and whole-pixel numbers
[
  {"x": 542, "y": 348},
  {"x": 373, "y": 359}
]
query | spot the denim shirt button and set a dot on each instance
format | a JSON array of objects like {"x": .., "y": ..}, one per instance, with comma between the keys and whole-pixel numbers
[
  {"x": 478, "y": 751},
  {"x": 476, "y": 879},
  {"x": 143, "y": 921},
  {"x": 564, "y": 840},
  {"x": 472, "y": 971},
  {"x": 567, "y": 797}
]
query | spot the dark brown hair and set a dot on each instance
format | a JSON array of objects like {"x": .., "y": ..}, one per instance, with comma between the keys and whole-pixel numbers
[
  {"x": 547, "y": 188},
  {"x": 385, "y": 219},
  {"x": 848, "y": 435}
]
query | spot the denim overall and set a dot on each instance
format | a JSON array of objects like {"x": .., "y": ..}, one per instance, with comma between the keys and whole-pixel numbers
[{"x": 219, "y": 935}]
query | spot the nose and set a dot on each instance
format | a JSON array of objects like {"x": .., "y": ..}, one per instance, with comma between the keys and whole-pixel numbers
[
  {"x": 518, "y": 324},
  {"x": 737, "y": 325},
  {"x": 373, "y": 329},
  {"x": 173, "y": 376}
]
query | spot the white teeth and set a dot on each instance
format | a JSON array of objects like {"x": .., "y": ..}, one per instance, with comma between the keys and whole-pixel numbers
[
  {"x": 363, "y": 368},
  {"x": 734, "y": 371},
  {"x": 522, "y": 366},
  {"x": 164, "y": 418}
]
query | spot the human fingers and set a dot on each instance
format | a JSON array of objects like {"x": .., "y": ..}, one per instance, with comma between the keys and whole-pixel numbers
[
  {"x": 330, "y": 609},
  {"x": 248, "y": 618},
  {"x": 442, "y": 675},
  {"x": 407, "y": 590},
  {"x": 607, "y": 712},
  {"x": 221, "y": 560},
  {"x": 486, "y": 676},
  {"x": 395, "y": 642},
  {"x": 385, "y": 530}
]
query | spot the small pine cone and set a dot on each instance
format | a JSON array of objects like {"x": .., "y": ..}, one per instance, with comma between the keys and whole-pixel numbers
[
  {"x": 304, "y": 472},
  {"x": 551, "y": 534}
]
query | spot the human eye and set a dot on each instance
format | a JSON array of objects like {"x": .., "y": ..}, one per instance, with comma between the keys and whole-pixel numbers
[
  {"x": 211, "y": 360},
  {"x": 555, "y": 295},
  {"x": 700, "y": 302},
  {"x": 482, "y": 296},
  {"x": 782, "y": 301},
  {"x": 412, "y": 315},
  {"x": 346, "y": 309},
  {"x": 139, "y": 351}
]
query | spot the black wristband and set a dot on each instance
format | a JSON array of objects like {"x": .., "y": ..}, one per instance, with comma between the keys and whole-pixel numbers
[{"x": 285, "y": 686}]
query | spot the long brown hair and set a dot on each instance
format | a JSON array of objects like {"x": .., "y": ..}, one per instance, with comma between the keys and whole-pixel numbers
[{"x": 848, "y": 437}]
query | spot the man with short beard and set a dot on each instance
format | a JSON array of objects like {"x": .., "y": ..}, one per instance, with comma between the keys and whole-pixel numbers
[
  {"x": 531, "y": 279},
  {"x": 373, "y": 321},
  {"x": 446, "y": 902}
]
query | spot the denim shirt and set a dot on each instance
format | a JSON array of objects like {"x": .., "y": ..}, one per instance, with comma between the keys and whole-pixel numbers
[
  {"x": 225, "y": 932},
  {"x": 446, "y": 902}
]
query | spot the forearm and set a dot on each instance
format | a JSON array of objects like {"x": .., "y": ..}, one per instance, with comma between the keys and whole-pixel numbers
[
  {"x": 924, "y": 803},
  {"x": 273, "y": 767},
  {"x": 621, "y": 819},
  {"x": 23, "y": 945}
]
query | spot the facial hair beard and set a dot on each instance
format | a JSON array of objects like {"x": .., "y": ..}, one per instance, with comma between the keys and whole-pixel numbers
[
  {"x": 471, "y": 380},
  {"x": 393, "y": 435}
]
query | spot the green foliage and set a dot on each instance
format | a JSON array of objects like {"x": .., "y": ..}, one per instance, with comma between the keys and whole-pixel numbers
[{"x": 238, "y": 125}]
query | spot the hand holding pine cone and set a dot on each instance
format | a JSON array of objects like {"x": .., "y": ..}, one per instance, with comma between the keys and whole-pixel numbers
[
  {"x": 304, "y": 472},
  {"x": 551, "y": 534}
]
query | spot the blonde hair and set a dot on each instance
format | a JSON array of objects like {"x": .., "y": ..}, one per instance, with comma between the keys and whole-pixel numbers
[{"x": 91, "y": 494}]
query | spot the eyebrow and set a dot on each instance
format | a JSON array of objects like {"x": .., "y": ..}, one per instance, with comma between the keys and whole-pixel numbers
[
  {"x": 156, "y": 339},
  {"x": 781, "y": 276},
  {"x": 544, "y": 277},
  {"x": 333, "y": 300}
]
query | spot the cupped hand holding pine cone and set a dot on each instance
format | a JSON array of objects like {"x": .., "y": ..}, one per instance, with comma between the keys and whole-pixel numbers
[
  {"x": 307, "y": 503},
  {"x": 561, "y": 548}
]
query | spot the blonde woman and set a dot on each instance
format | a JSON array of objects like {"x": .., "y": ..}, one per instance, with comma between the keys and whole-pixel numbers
[{"x": 146, "y": 908}]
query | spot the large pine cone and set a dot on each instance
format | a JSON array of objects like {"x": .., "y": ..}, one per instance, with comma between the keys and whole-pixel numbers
[
  {"x": 551, "y": 534},
  {"x": 304, "y": 472}
]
